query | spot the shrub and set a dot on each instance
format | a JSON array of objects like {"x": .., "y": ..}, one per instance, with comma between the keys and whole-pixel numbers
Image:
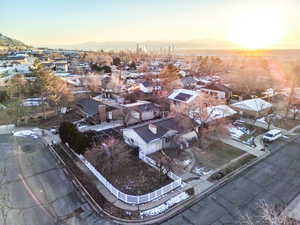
[{"x": 76, "y": 140}]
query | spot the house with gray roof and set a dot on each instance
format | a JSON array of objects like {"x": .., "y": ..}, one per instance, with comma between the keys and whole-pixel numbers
[
  {"x": 218, "y": 90},
  {"x": 181, "y": 97},
  {"x": 97, "y": 112},
  {"x": 141, "y": 111},
  {"x": 155, "y": 135}
]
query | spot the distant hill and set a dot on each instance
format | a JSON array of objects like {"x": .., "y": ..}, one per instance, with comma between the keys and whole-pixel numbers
[
  {"x": 7, "y": 42},
  {"x": 115, "y": 45}
]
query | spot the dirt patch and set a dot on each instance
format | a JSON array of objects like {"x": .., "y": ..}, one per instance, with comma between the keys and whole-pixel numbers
[
  {"x": 92, "y": 189},
  {"x": 177, "y": 159},
  {"x": 128, "y": 173}
]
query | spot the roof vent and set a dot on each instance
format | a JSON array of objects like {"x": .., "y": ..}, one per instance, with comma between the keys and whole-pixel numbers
[{"x": 153, "y": 128}]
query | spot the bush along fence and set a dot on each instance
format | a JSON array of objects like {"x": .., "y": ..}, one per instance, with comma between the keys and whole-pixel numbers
[{"x": 133, "y": 199}]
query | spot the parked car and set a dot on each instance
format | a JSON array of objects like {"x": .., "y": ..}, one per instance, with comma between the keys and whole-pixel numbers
[
  {"x": 53, "y": 130},
  {"x": 272, "y": 135}
]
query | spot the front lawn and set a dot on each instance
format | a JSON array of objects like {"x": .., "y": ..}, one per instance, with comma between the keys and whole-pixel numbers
[
  {"x": 228, "y": 169},
  {"x": 215, "y": 155}
]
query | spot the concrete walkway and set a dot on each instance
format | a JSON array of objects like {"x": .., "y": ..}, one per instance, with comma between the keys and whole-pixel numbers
[
  {"x": 253, "y": 151},
  {"x": 293, "y": 209},
  {"x": 292, "y": 131}
]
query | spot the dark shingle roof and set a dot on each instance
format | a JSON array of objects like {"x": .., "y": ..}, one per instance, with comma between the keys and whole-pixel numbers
[
  {"x": 89, "y": 106},
  {"x": 147, "y": 135},
  {"x": 163, "y": 126}
]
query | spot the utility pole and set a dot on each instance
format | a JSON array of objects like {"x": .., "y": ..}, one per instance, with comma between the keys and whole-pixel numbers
[{"x": 292, "y": 92}]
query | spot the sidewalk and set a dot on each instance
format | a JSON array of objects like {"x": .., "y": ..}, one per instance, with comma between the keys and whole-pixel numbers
[{"x": 291, "y": 131}]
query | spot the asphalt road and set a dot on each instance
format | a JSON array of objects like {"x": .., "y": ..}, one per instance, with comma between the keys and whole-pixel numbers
[
  {"x": 34, "y": 190},
  {"x": 275, "y": 180}
]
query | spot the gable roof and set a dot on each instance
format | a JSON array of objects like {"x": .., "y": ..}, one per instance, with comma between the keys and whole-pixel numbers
[
  {"x": 147, "y": 135},
  {"x": 89, "y": 106},
  {"x": 219, "y": 112},
  {"x": 163, "y": 127},
  {"x": 256, "y": 104}
]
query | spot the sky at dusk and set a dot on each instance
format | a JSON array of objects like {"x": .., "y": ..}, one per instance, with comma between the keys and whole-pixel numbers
[{"x": 39, "y": 22}]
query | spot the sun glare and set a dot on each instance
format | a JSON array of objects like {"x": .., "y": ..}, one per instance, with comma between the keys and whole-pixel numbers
[{"x": 256, "y": 30}]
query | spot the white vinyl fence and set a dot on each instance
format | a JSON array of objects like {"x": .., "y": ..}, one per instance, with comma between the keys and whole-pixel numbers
[
  {"x": 152, "y": 163},
  {"x": 132, "y": 199},
  {"x": 7, "y": 129}
]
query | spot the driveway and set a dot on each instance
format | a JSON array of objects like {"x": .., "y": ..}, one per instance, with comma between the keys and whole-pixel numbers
[
  {"x": 276, "y": 180},
  {"x": 34, "y": 188}
]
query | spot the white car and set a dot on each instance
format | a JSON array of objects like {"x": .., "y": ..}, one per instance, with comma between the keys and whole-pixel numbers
[{"x": 272, "y": 135}]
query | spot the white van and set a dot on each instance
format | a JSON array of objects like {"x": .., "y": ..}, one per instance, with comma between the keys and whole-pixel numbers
[{"x": 272, "y": 135}]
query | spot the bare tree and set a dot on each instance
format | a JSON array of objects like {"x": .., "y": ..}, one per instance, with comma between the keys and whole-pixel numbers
[
  {"x": 93, "y": 83},
  {"x": 5, "y": 203},
  {"x": 169, "y": 79},
  {"x": 164, "y": 165},
  {"x": 107, "y": 155},
  {"x": 201, "y": 110},
  {"x": 207, "y": 66},
  {"x": 269, "y": 215},
  {"x": 50, "y": 87}
]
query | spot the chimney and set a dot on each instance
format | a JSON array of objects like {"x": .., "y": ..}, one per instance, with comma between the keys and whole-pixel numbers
[
  {"x": 153, "y": 128},
  {"x": 102, "y": 113}
]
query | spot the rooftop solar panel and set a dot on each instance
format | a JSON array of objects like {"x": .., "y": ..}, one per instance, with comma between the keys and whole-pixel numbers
[{"x": 183, "y": 97}]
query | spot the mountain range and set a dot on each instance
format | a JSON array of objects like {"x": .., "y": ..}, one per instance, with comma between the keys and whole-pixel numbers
[
  {"x": 7, "y": 42},
  {"x": 117, "y": 45}
]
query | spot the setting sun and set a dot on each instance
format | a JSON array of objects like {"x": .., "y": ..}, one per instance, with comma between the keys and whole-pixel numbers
[{"x": 256, "y": 30}]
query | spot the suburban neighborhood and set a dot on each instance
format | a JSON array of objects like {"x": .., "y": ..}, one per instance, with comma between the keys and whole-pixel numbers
[{"x": 149, "y": 134}]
